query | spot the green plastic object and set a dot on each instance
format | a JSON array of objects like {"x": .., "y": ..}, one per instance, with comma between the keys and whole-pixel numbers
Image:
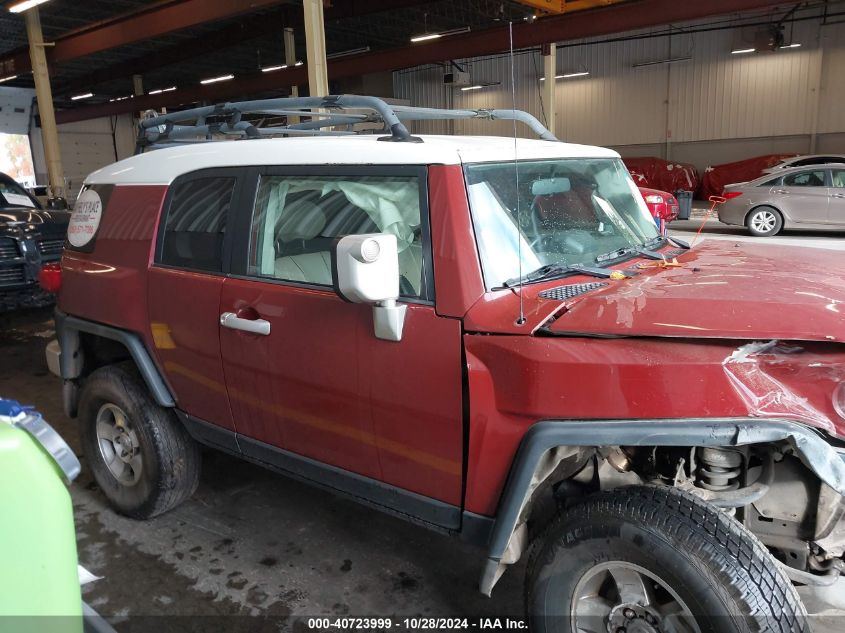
[{"x": 39, "y": 582}]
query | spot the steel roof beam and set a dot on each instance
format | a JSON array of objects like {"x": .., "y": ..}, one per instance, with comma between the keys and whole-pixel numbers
[
  {"x": 159, "y": 19},
  {"x": 617, "y": 18},
  {"x": 249, "y": 28}
]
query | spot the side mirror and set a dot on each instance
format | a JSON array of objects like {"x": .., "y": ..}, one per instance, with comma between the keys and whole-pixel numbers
[{"x": 366, "y": 270}]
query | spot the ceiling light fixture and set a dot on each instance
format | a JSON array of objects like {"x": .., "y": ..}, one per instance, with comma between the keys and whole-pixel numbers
[
  {"x": 87, "y": 95},
  {"x": 484, "y": 84},
  {"x": 298, "y": 64},
  {"x": 270, "y": 69},
  {"x": 20, "y": 7},
  {"x": 670, "y": 60},
  {"x": 9, "y": 78},
  {"x": 354, "y": 51},
  {"x": 790, "y": 46},
  {"x": 582, "y": 73},
  {"x": 120, "y": 98},
  {"x": 433, "y": 36},
  {"x": 741, "y": 51},
  {"x": 214, "y": 80}
]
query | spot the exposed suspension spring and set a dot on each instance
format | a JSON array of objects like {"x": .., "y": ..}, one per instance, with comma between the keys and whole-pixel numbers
[{"x": 719, "y": 469}]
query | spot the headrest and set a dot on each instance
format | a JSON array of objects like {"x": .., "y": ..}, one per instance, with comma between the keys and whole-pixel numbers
[{"x": 301, "y": 220}]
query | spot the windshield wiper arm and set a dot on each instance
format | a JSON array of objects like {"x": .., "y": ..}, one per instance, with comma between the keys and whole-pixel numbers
[
  {"x": 629, "y": 250},
  {"x": 551, "y": 271}
]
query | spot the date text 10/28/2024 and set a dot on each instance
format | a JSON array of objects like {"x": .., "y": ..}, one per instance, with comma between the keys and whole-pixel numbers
[{"x": 416, "y": 624}]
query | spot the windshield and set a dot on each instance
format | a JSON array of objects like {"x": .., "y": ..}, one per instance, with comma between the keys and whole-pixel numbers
[{"x": 571, "y": 211}]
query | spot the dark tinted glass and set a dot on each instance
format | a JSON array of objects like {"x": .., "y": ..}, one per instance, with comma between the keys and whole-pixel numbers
[
  {"x": 805, "y": 179},
  {"x": 196, "y": 224}
]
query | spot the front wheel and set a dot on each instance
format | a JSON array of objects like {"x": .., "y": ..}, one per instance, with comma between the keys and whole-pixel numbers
[{"x": 654, "y": 559}]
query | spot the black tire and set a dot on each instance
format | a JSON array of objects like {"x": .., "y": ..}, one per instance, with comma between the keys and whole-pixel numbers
[
  {"x": 724, "y": 575},
  {"x": 169, "y": 458},
  {"x": 764, "y": 221}
]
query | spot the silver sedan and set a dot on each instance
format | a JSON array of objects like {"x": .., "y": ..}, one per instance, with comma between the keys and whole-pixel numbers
[{"x": 795, "y": 198}]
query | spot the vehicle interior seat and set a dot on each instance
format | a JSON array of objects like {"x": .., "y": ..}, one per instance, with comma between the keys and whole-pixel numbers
[{"x": 571, "y": 209}]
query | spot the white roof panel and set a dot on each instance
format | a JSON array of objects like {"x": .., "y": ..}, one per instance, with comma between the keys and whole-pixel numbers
[{"x": 162, "y": 166}]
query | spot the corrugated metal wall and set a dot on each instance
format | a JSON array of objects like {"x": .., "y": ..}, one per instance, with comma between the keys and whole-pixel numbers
[{"x": 715, "y": 95}]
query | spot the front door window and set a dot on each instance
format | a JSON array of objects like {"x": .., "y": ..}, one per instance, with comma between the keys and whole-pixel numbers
[{"x": 298, "y": 219}]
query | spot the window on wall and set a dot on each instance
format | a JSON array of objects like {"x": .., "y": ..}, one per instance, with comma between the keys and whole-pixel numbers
[
  {"x": 196, "y": 224},
  {"x": 805, "y": 179},
  {"x": 297, "y": 220}
]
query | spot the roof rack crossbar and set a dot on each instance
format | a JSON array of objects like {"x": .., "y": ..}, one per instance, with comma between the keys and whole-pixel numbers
[
  {"x": 163, "y": 128},
  {"x": 409, "y": 113}
]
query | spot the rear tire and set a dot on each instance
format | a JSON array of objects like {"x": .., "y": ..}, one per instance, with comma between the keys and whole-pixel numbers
[
  {"x": 764, "y": 222},
  {"x": 142, "y": 458},
  {"x": 627, "y": 559}
]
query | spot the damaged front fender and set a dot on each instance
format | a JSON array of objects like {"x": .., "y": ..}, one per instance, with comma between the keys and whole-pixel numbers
[{"x": 550, "y": 437}]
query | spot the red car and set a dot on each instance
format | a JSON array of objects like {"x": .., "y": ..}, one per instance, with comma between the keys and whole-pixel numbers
[
  {"x": 663, "y": 205},
  {"x": 492, "y": 348}
]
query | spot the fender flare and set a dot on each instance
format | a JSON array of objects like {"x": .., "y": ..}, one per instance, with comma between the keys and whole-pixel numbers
[
  {"x": 67, "y": 332},
  {"x": 816, "y": 453}
]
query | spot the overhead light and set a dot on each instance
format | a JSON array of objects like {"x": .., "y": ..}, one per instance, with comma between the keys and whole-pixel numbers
[
  {"x": 9, "y": 78},
  {"x": 354, "y": 51},
  {"x": 269, "y": 69},
  {"x": 214, "y": 80},
  {"x": 19, "y": 7},
  {"x": 671, "y": 60},
  {"x": 87, "y": 95},
  {"x": 741, "y": 51},
  {"x": 790, "y": 46},
  {"x": 120, "y": 98},
  {"x": 433, "y": 36},
  {"x": 160, "y": 90},
  {"x": 298, "y": 64},
  {"x": 485, "y": 84},
  {"x": 427, "y": 36},
  {"x": 582, "y": 73}
]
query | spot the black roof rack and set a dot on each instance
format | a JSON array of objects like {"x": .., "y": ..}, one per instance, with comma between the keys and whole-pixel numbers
[{"x": 228, "y": 119}]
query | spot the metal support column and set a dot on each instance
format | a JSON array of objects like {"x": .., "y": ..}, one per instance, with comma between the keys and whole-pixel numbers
[
  {"x": 315, "y": 46},
  {"x": 290, "y": 61},
  {"x": 44, "y": 95},
  {"x": 550, "y": 87}
]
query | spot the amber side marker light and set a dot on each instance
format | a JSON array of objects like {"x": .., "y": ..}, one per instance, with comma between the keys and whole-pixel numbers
[{"x": 50, "y": 277}]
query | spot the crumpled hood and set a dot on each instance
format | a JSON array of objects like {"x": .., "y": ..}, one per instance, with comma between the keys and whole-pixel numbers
[{"x": 723, "y": 290}]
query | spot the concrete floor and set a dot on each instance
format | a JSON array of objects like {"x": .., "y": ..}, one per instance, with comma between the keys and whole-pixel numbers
[{"x": 251, "y": 543}]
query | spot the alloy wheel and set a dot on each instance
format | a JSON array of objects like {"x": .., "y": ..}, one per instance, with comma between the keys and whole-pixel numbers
[
  {"x": 620, "y": 597},
  {"x": 119, "y": 445}
]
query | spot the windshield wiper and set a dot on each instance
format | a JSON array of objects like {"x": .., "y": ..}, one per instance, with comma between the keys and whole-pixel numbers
[
  {"x": 629, "y": 250},
  {"x": 553, "y": 271}
]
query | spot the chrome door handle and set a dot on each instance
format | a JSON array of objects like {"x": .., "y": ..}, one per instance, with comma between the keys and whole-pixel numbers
[
  {"x": 234, "y": 322},
  {"x": 839, "y": 195},
  {"x": 781, "y": 191}
]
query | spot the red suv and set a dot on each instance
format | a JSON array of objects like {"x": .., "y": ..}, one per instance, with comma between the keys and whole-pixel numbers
[{"x": 481, "y": 335}]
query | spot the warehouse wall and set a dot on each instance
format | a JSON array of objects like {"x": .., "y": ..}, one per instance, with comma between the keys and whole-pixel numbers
[{"x": 715, "y": 108}]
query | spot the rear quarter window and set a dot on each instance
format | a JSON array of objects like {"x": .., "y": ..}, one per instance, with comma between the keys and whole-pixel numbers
[{"x": 195, "y": 225}]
